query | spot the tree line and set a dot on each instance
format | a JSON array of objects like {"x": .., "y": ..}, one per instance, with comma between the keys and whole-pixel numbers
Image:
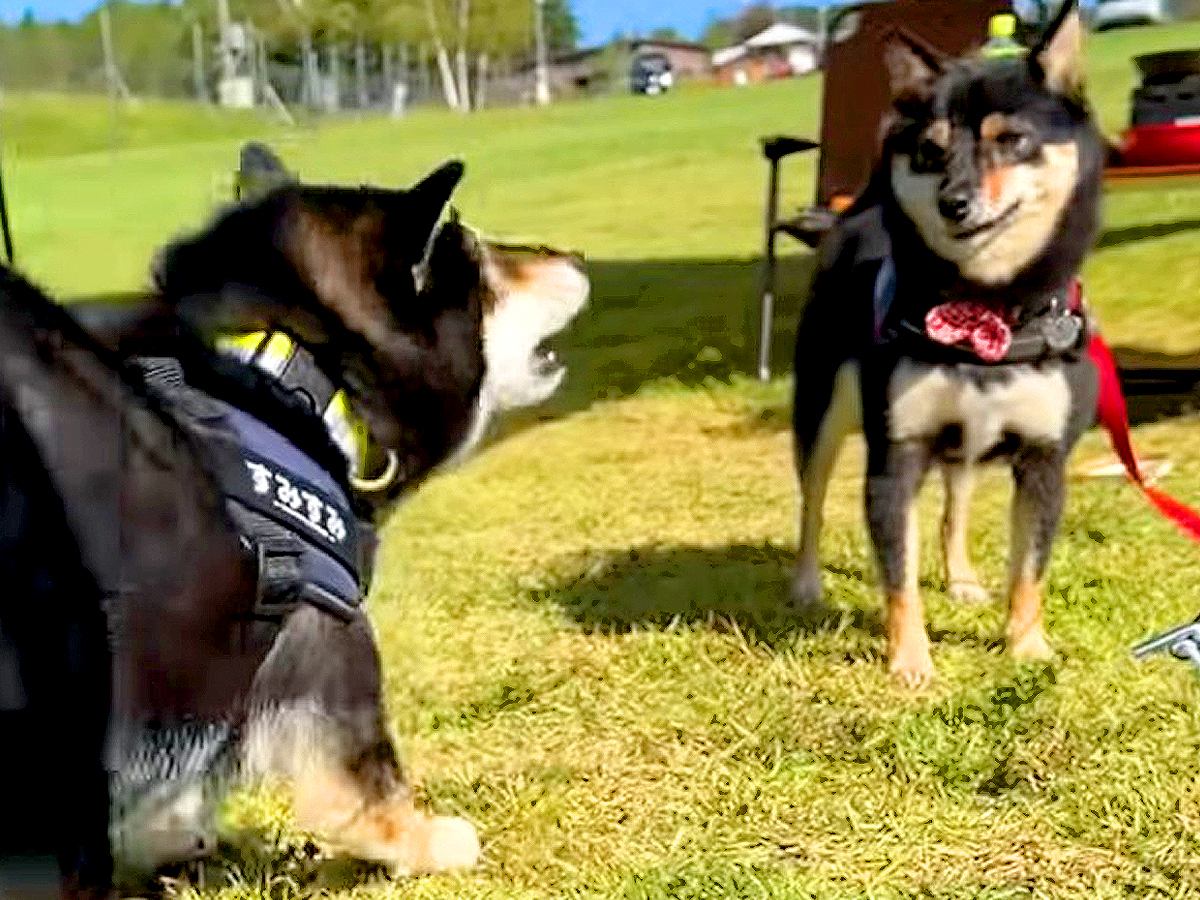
[{"x": 155, "y": 43}]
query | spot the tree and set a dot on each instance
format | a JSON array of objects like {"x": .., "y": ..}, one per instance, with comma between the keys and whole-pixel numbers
[
  {"x": 562, "y": 30},
  {"x": 753, "y": 19},
  {"x": 718, "y": 34},
  {"x": 463, "y": 30},
  {"x": 748, "y": 22},
  {"x": 666, "y": 34}
]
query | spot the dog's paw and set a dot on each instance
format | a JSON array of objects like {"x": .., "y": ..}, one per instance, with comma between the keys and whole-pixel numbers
[
  {"x": 912, "y": 668},
  {"x": 453, "y": 844},
  {"x": 968, "y": 591},
  {"x": 806, "y": 585},
  {"x": 434, "y": 844},
  {"x": 1031, "y": 646}
]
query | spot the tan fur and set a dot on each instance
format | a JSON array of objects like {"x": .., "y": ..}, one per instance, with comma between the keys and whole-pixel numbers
[
  {"x": 908, "y": 643},
  {"x": 910, "y": 67},
  {"x": 909, "y": 661},
  {"x": 995, "y": 184},
  {"x": 1025, "y": 633},
  {"x": 939, "y": 133},
  {"x": 1062, "y": 58},
  {"x": 961, "y": 580},
  {"x": 354, "y": 805},
  {"x": 844, "y": 415},
  {"x": 993, "y": 125},
  {"x": 329, "y": 803}
]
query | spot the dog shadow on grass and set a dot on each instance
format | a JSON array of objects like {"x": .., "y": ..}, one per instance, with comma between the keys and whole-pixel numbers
[
  {"x": 1116, "y": 237},
  {"x": 742, "y": 589}
]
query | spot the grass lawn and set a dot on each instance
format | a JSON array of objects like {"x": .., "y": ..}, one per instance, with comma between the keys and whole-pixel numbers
[{"x": 588, "y": 643}]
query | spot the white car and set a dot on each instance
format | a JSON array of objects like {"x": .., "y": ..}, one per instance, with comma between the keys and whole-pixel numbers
[{"x": 1117, "y": 13}]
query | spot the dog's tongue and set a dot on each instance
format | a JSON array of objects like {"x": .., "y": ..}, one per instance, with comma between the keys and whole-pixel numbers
[{"x": 974, "y": 325}]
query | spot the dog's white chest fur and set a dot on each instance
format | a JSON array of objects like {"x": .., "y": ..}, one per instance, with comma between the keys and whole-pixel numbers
[{"x": 1032, "y": 403}]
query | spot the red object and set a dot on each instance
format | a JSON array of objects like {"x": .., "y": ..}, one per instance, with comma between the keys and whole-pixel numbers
[
  {"x": 1115, "y": 418},
  {"x": 975, "y": 325},
  {"x": 1161, "y": 145}
]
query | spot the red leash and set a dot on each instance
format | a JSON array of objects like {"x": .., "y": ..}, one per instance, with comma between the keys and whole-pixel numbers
[
  {"x": 1114, "y": 417},
  {"x": 988, "y": 333}
]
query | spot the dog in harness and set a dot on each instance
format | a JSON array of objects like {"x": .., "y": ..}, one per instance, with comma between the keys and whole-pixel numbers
[
  {"x": 372, "y": 341},
  {"x": 312, "y": 542}
]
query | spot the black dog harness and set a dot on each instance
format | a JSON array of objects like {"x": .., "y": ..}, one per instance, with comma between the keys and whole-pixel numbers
[{"x": 291, "y": 513}]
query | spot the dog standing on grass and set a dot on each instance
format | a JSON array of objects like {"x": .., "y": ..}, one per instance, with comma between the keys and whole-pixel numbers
[{"x": 945, "y": 320}]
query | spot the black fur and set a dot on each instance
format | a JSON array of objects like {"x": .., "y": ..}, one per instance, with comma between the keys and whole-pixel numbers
[
  {"x": 102, "y": 497},
  {"x": 55, "y": 672}
]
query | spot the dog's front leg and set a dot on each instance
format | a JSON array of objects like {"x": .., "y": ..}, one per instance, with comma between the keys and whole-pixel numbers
[
  {"x": 961, "y": 580},
  {"x": 1039, "y": 476},
  {"x": 894, "y": 475},
  {"x": 320, "y": 720}
]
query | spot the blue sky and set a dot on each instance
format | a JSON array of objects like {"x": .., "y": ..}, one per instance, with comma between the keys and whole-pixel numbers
[
  {"x": 598, "y": 19},
  {"x": 601, "y": 19}
]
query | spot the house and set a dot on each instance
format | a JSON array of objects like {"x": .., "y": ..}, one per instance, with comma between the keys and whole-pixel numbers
[
  {"x": 573, "y": 71},
  {"x": 780, "y": 51},
  {"x": 596, "y": 69},
  {"x": 688, "y": 61}
]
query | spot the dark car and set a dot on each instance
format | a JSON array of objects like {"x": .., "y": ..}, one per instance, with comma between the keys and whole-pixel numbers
[{"x": 651, "y": 74}]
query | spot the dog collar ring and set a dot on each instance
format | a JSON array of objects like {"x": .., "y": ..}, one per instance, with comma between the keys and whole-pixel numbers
[{"x": 381, "y": 482}]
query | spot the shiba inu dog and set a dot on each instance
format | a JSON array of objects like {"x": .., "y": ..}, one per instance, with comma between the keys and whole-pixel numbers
[
  {"x": 945, "y": 319},
  {"x": 233, "y": 654}
]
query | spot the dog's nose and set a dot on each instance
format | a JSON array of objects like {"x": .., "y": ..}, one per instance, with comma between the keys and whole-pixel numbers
[{"x": 954, "y": 207}]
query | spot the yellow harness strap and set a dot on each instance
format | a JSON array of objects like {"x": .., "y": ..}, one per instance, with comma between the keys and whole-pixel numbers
[{"x": 347, "y": 430}]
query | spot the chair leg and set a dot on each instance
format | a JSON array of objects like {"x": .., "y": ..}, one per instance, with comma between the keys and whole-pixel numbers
[{"x": 767, "y": 294}]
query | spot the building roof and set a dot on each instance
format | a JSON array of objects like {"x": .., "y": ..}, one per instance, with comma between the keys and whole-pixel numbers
[
  {"x": 670, "y": 44},
  {"x": 781, "y": 34},
  {"x": 727, "y": 55}
]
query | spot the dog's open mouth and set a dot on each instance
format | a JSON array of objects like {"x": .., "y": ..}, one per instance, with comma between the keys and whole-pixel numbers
[
  {"x": 963, "y": 234},
  {"x": 538, "y": 293}
]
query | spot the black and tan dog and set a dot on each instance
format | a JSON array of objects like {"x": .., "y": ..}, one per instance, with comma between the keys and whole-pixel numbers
[
  {"x": 429, "y": 330},
  {"x": 944, "y": 318}
]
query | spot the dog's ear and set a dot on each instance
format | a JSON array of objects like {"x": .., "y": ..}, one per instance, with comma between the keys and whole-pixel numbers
[
  {"x": 429, "y": 197},
  {"x": 912, "y": 66},
  {"x": 259, "y": 172},
  {"x": 1056, "y": 61}
]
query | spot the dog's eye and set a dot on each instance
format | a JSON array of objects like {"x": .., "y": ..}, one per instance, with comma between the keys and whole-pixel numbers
[
  {"x": 1016, "y": 143},
  {"x": 929, "y": 157}
]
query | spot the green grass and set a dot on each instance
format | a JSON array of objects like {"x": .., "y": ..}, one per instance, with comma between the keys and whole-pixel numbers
[
  {"x": 588, "y": 646},
  {"x": 43, "y": 125}
]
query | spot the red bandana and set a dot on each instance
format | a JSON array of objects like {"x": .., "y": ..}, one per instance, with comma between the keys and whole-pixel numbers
[{"x": 976, "y": 326}]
